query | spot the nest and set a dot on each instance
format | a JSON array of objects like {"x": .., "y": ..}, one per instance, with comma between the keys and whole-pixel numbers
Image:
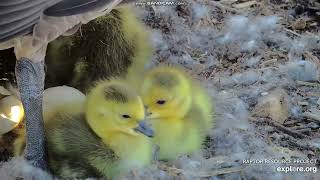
[{"x": 243, "y": 52}]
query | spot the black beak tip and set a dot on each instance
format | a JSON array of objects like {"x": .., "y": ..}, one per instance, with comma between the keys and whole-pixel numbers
[
  {"x": 144, "y": 129},
  {"x": 150, "y": 135}
]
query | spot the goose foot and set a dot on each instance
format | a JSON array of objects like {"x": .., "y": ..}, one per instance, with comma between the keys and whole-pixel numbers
[{"x": 30, "y": 79}]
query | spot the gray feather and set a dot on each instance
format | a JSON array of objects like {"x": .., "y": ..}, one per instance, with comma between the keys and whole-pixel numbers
[
  {"x": 17, "y": 17},
  {"x": 71, "y": 7},
  {"x": 30, "y": 20},
  {"x": 20, "y": 7},
  {"x": 11, "y": 2},
  {"x": 17, "y": 32}
]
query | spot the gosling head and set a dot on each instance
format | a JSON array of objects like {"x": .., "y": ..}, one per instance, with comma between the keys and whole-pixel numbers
[
  {"x": 114, "y": 108},
  {"x": 166, "y": 93}
]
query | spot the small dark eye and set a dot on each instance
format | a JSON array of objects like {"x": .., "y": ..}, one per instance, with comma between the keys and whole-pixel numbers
[
  {"x": 161, "y": 102},
  {"x": 126, "y": 116}
]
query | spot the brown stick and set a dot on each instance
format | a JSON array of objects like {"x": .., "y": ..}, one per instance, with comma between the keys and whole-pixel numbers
[
  {"x": 222, "y": 7},
  {"x": 282, "y": 128},
  {"x": 219, "y": 172}
]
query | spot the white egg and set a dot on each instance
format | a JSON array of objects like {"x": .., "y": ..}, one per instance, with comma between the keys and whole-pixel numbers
[
  {"x": 62, "y": 99},
  {"x": 11, "y": 113}
]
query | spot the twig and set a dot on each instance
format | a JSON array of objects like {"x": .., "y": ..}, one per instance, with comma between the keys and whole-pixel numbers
[
  {"x": 245, "y": 4},
  {"x": 267, "y": 68},
  {"x": 281, "y": 128},
  {"x": 311, "y": 57},
  {"x": 312, "y": 115},
  {"x": 221, "y": 6},
  {"x": 264, "y": 63},
  {"x": 103, "y": 43},
  {"x": 305, "y": 130},
  {"x": 304, "y": 83},
  {"x": 170, "y": 170},
  {"x": 286, "y": 130},
  {"x": 290, "y": 122},
  {"x": 218, "y": 172},
  {"x": 292, "y": 32},
  {"x": 218, "y": 160},
  {"x": 300, "y": 144},
  {"x": 298, "y": 127}
]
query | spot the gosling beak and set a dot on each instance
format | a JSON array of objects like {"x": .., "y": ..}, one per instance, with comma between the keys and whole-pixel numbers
[{"x": 144, "y": 128}]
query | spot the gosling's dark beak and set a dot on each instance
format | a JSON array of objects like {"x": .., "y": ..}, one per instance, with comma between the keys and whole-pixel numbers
[{"x": 144, "y": 128}]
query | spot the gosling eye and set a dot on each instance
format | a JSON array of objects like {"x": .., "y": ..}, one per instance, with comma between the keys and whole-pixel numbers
[
  {"x": 126, "y": 116},
  {"x": 161, "y": 102}
]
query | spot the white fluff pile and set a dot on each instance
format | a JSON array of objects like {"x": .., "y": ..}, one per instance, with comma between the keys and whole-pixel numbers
[{"x": 18, "y": 168}]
